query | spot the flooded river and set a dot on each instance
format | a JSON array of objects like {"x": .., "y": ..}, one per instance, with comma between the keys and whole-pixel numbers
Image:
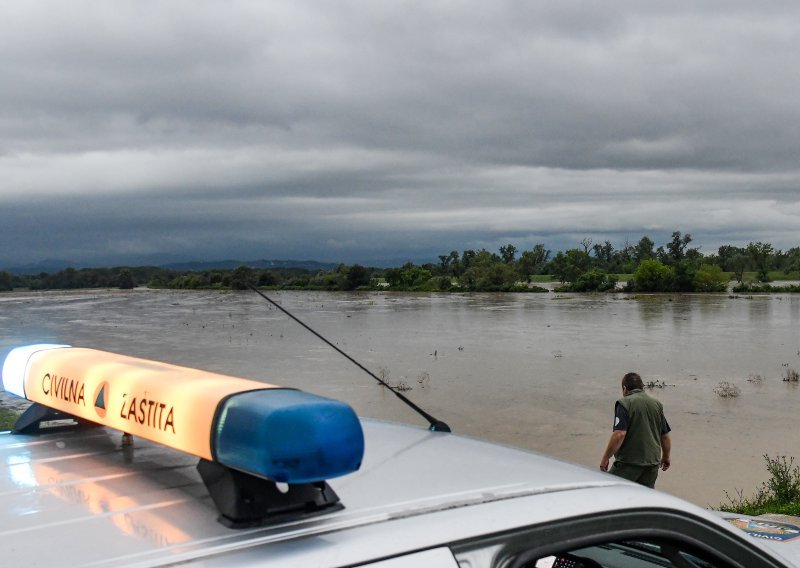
[{"x": 538, "y": 371}]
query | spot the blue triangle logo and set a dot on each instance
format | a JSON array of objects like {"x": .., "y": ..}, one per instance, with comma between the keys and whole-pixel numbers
[{"x": 101, "y": 399}]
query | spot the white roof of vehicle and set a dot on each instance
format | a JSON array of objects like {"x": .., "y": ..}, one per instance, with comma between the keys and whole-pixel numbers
[{"x": 81, "y": 498}]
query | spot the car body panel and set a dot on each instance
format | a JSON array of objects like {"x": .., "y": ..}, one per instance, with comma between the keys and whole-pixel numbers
[{"x": 84, "y": 498}]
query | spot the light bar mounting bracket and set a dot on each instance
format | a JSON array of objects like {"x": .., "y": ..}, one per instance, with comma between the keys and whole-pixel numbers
[
  {"x": 245, "y": 500},
  {"x": 30, "y": 421}
]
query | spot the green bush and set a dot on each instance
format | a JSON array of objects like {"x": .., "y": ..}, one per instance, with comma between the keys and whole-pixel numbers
[
  {"x": 779, "y": 494},
  {"x": 444, "y": 283},
  {"x": 653, "y": 276},
  {"x": 594, "y": 281},
  {"x": 683, "y": 274},
  {"x": 710, "y": 278}
]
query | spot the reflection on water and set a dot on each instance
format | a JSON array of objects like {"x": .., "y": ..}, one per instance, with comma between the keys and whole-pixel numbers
[{"x": 540, "y": 371}]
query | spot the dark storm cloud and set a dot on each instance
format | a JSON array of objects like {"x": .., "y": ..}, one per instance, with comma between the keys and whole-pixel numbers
[{"x": 379, "y": 129}]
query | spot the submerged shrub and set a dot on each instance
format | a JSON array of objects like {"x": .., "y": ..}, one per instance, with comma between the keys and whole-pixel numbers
[
  {"x": 727, "y": 390},
  {"x": 792, "y": 376},
  {"x": 594, "y": 281}
]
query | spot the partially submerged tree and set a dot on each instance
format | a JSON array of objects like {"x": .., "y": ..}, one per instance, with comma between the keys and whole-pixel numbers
[
  {"x": 760, "y": 253},
  {"x": 126, "y": 279},
  {"x": 242, "y": 278}
]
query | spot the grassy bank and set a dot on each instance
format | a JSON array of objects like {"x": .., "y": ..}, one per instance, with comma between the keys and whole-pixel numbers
[
  {"x": 778, "y": 275},
  {"x": 780, "y": 494},
  {"x": 7, "y": 418}
]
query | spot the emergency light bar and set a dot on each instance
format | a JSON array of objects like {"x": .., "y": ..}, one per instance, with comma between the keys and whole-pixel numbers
[{"x": 274, "y": 433}]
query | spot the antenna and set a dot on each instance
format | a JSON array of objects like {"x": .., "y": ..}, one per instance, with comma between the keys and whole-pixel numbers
[{"x": 435, "y": 425}]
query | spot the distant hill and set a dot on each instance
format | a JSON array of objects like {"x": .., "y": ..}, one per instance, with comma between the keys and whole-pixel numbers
[
  {"x": 49, "y": 266},
  {"x": 52, "y": 266},
  {"x": 260, "y": 264}
]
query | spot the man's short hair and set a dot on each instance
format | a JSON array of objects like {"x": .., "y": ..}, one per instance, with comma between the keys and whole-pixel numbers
[{"x": 632, "y": 381}]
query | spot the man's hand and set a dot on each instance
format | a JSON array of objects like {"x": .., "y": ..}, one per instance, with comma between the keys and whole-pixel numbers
[
  {"x": 666, "y": 449},
  {"x": 617, "y": 437}
]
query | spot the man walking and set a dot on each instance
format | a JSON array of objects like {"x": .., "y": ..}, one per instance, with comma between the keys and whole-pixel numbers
[{"x": 640, "y": 441}]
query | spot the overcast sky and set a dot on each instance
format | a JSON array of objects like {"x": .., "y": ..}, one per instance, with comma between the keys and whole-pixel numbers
[{"x": 370, "y": 131}]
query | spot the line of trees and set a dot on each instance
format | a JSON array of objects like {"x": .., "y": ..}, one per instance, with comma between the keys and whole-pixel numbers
[
  {"x": 73, "y": 278},
  {"x": 674, "y": 266}
]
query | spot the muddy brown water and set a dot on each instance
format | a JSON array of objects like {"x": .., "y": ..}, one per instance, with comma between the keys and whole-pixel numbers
[{"x": 538, "y": 371}]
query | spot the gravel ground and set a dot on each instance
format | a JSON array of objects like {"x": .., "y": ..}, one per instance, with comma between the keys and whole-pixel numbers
[{"x": 782, "y": 518}]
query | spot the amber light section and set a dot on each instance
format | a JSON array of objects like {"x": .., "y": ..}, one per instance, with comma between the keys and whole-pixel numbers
[{"x": 168, "y": 404}]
